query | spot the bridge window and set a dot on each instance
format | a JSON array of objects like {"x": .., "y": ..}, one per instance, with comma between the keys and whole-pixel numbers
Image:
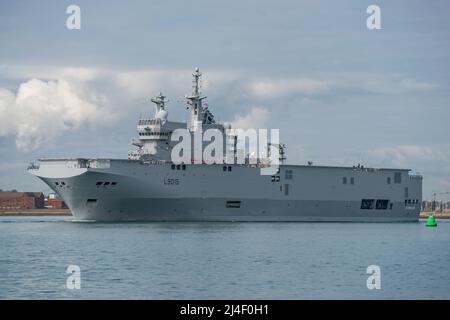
[
  {"x": 229, "y": 168},
  {"x": 224, "y": 168},
  {"x": 172, "y": 167},
  {"x": 113, "y": 183},
  {"x": 388, "y": 180},
  {"x": 367, "y": 203},
  {"x": 106, "y": 184},
  {"x": 183, "y": 167},
  {"x": 344, "y": 180},
  {"x": 406, "y": 192},
  {"x": 352, "y": 180},
  {"x": 99, "y": 183}
]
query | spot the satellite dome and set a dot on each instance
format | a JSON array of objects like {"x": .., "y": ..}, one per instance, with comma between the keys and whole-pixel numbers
[{"x": 161, "y": 114}]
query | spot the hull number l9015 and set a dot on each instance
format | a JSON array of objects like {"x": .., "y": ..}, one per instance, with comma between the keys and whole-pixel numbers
[{"x": 171, "y": 181}]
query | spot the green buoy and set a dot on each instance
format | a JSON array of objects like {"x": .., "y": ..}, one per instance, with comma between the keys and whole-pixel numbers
[{"x": 431, "y": 221}]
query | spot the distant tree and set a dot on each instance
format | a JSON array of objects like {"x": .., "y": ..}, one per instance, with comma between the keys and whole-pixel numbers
[{"x": 13, "y": 190}]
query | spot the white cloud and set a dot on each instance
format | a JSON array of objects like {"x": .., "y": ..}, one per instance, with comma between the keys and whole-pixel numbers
[
  {"x": 375, "y": 83},
  {"x": 58, "y": 99},
  {"x": 43, "y": 110},
  {"x": 414, "y": 85},
  {"x": 79, "y": 95},
  {"x": 7, "y": 100},
  {"x": 275, "y": 88},
  {"x": 404, "y": 154},
  {"x": 145, "y": 83},
  {"x": 178, "y": 82},
  {"x": 385, "y": 83},
  {"x": 257, "y": 118},
  {"x": 80, "y": 74}
]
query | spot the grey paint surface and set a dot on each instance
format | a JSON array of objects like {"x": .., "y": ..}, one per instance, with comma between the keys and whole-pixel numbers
[{"x": 200, "y": 193}]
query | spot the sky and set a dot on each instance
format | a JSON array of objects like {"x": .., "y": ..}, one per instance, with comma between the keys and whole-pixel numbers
[{"x": 340, "y": 94}]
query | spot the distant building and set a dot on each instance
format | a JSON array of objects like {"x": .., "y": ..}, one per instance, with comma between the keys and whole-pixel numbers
[
  {"x": 435, "y": 205},
  {"x": 22, "y": 200},
  {"x": 53, "y": 201}
]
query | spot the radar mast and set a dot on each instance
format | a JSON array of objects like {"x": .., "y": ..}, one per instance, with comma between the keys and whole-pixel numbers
[{"x": 195, "y": 101}]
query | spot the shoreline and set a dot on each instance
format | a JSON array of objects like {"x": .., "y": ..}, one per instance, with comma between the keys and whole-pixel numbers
[
  {"x": 66, "y": 212},
  {"x": 443, "y": 215},
  {"x": 35, "y": 212}
]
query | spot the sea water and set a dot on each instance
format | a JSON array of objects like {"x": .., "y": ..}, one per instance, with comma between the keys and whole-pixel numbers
[{"x": 222, "y": 260}]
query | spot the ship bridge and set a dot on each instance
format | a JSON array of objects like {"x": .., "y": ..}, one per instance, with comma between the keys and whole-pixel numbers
[
  {"x": 154, "y": 133},
  {"x": 152, "y": 129}
]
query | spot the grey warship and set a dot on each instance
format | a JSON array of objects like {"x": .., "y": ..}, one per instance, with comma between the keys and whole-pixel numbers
[{"x": 149, "y": 186}]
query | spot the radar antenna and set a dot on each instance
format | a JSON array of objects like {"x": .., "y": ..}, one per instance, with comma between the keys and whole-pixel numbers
[
  {"x": 160, "y": 101},
  {"x": 196, "y": 83}
]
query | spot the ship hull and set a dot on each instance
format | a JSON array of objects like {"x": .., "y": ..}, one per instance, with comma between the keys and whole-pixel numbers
[
  {"x": 133, "y": 191},
  {"x": 262, "y": 210}
]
